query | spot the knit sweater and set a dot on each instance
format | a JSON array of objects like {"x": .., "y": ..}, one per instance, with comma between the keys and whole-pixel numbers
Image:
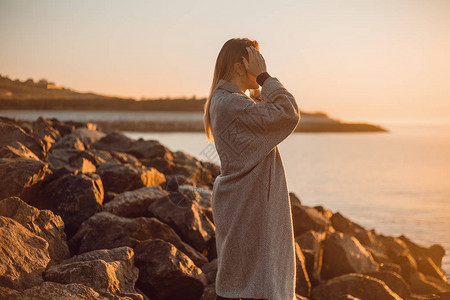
[{"x": 250, "y": 198}]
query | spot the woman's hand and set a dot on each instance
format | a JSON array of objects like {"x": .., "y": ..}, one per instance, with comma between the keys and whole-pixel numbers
[{"x": 256, "y": 64}]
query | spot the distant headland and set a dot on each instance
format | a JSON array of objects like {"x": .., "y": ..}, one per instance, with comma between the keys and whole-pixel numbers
[{"x": 48, "y": 96}]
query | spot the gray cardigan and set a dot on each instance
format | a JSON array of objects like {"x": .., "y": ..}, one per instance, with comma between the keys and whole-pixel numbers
[{"x": 250, "y": 199}]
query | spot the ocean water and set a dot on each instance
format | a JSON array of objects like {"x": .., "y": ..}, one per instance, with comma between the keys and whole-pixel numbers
[{"x": 396, "y": 183}]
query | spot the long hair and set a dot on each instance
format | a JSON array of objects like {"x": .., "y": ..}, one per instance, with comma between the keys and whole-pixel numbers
[{"x": 231, "y": 52}]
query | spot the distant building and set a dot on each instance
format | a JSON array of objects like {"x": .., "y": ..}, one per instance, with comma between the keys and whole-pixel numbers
[{"x": 52, "y": 86}]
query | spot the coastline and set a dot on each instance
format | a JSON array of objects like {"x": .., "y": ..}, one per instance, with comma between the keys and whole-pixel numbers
[{"x": 178, "y": 121}]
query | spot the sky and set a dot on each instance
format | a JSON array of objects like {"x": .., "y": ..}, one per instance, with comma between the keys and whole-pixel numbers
[{"x": 377, "y": 60}]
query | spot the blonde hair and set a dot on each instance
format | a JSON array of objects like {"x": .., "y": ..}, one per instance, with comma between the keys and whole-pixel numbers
[{"x": 231, "y": 52}]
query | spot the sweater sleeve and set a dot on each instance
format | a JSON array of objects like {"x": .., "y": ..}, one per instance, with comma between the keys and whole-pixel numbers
[{"x": 266, "y": 123}]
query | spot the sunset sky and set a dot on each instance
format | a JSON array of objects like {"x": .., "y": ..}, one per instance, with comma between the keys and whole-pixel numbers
[{"x": 358, "y": 60}]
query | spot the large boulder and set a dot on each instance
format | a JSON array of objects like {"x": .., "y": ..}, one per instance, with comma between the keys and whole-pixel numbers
[
  {"x": 167, "y": 273},
  {"x": 184, "y": 215},
  {"x": 16, "y": 150},
  {"x": 344, "y": 254},
  {"x": 74, "y": 197},
  {"x": 307, "y": 218},
  {"x": 69, "y": 160},
  {"x": 394, "y": 281},
  {"x": 116, "y": 141},
  {"x": 344, "y": 225},
  {"x": 398, "y": 253},
  {"x": 21, "y": 177},
  {"x": 120, "y": 178},
  {"x": 52, "y": 290},
  {"x": 435, "y": 252},
  {"x": 69, "y": 141},
  {"x": 135, "y": 203},
  {"x": 311, "y": 246},
  {"x": 88, "y": 136},
  {"x": 44, "y": 130},
  {"x": 427, "y": 284},
  {"x": 107, "y": 271},
  {"x": 356, "y": 285},
  {"x": 43, "y": 223},
  {"x": 202, "y": 195},
  {"x": 11, "y": 133},
  {"x": 24, "y": 256},
  {"x": 106, "y": 230}
]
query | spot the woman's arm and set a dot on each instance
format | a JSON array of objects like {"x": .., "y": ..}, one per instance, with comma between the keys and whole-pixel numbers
[{"x": 268, "y": 122}]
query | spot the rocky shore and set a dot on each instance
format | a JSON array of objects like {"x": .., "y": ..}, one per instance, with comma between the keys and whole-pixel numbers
[{"x": 88, "y": 213}]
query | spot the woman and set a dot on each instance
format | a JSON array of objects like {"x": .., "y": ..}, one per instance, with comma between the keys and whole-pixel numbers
[{"x": 250, "y": 199}]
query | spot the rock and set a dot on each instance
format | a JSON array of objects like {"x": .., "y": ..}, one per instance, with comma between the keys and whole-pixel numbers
[
  {"x": 135, "y": 203},
  {"x": 390, "y": 267},
  {"x": 105, "y": 230},
  {"x": 407, "y": 264},
  {"x": 294, "y": 199},
  {"x": 43, "y": 223},
  {"x": 125, "y": 158},
  {"x": 203, "y": 197},
  {"x": 348, "y": 297},
  {"x": 209, "y": 293},
  {"x": 186, "y": 218},
  {"x": 356, "y": 285},
  {"x": 10, "y": 133},
  {"x": 66, "y": 160},
  {"x": 116, "y": 141},
  {"x": 436, "y": 252},
  {"x": 427, "y": 284},
  {"x": 69, "y": 141},
  {"x": 109, "y": 271},
  {"x": 16, "y": 150},
  {"x": 43, "y": 129},
  {"x": 166, "y": 273},
  {"x": 427, "y": 266},
  {"x": 344, "y": 254},
  {"x": 24, "y": 255},
  {"x": 88, "y": 136},
  {"x": 74, "y": 197},
  {"x": 21, "y": 177},
  {"x": 188, "y": 166},
  {"x": 394, "y": 281},
  {"x": 210, "y": 270},
  {"x": 164, "y": 165},
  {"x": 65, "y": 128},
  {"x": 311, "y": 246},
  {"x": 52, "y": 290},
  {"x": 7, "y": 293},
  {"x": 303, "y": 285},
  {"x": 149, "y": 149},
  {"x": 344, "y": 225},
  {"x": 121, "y": 178},
  {"x": 323, "y": 211},
  {"x": 99, "y": 157},
  {"x": 307, "y": 218}
]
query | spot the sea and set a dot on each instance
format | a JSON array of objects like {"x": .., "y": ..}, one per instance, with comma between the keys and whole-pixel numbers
[{"x": 396, "y": 182}]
